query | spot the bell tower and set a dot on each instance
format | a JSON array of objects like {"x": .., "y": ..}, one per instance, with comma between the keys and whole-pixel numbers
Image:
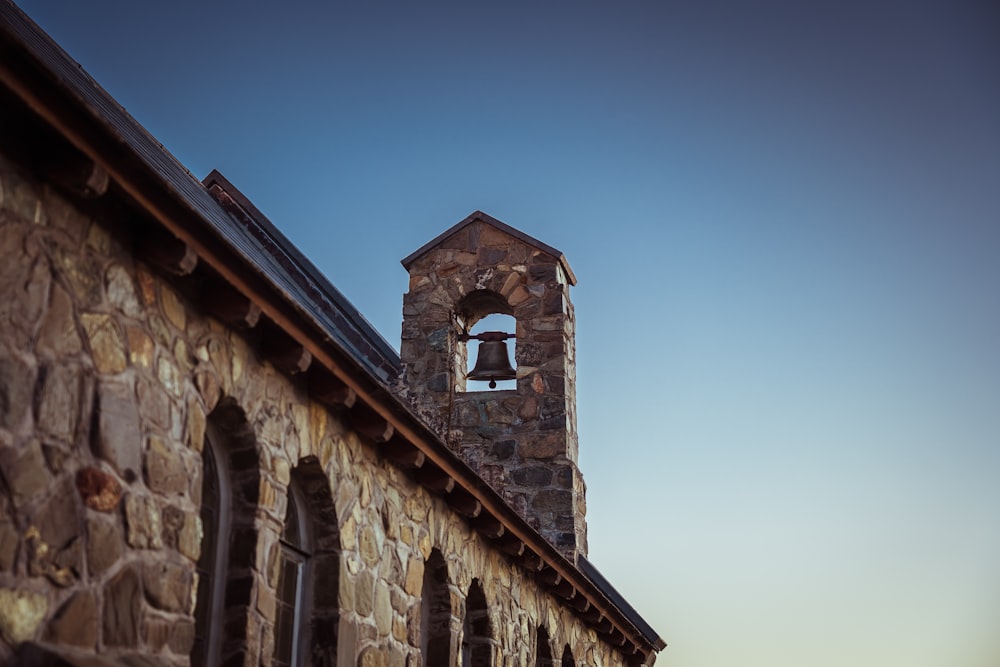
[{"x": 522, "y": 441}]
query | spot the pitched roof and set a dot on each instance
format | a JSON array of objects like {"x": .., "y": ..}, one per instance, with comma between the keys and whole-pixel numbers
[{"x": 479, "y": 216}]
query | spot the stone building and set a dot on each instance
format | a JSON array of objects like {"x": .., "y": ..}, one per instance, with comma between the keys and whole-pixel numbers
[{"x": 208, "y": 457}]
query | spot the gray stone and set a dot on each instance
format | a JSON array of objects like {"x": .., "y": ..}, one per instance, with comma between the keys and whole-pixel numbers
[
  {"x": 542, "y": 445},
  {"x": 364, "y": 593},
  {"x": 383, "y": 609},
  {"x": 164, "y": 468},
  {"x": 535, "y": 476},
  {"x": 118, "y": 439},
  {"x": 154, "y": 403},
  {"x": 62, "y": 397},
  {"x": 104, "y": 544},
  {"x": 57, "y": 335},
  {"x": 142, "y": 519},
  {"x": 24, "y": 471},
  {"x": 553, "y": 500},
  {"x": 155, "y": 633},
  {"x": 182, "y": 637},
  {"x": 58, "y": 518},
  {"x": 167, "y": 586},
  {"x": 76, "y": 621},
  {"x": 9, "y": 540},
  {"x": 17, "y": 381},
  {"x": 122, "y": 599},
  {"x": 121, "y": 291}
]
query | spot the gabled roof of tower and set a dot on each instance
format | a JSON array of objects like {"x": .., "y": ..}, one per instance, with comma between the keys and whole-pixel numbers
[{"x": 479, "y": 216}]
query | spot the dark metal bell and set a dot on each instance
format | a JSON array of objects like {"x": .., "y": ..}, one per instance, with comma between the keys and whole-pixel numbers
[{"x": 492, "y": 363}]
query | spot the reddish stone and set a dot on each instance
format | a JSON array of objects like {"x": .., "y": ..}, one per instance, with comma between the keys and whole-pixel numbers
[{"x": 99, "y": 490}]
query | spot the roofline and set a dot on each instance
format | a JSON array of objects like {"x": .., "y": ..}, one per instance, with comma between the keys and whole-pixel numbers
[
  {"x": 493, "y": 222},
  {"x": 38, "y": 72}
]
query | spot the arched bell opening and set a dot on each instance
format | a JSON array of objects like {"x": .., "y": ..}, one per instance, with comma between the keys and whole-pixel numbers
[{"x": 485, "y": 354}]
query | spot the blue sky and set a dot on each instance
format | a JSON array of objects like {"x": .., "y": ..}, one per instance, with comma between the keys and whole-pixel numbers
[{"x": 785, "y": 220}]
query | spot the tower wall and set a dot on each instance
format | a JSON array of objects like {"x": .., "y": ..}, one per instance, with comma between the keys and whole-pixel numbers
[{"x": 522, "y": 441}]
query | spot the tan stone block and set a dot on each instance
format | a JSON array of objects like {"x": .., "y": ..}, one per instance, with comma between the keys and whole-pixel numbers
[
  {"x": 140, "y": 347},
  {"x": 167, "y": 586},
  {"x": 190, "y": 536},
  {"x": 268, "y": 495},
  {"x": 106, "y": 342},
  {"x": 303, "y": 426},
  {"x": 413, "y": 584},
  {"x": 382, "y": 609},
  {"x": 173, "y": 307},
  {"x": 21, "y": 612},
  {"x": 99, "y": 238},
  {"x": 282, "y": 471},
  {"x": 196, "y": 424},
  {"x": 364, "y": 593},
  {"x": 142, "y": 518},
  {"x": 365, "y": 494},
  {"x": 162, "y": 333},
  {"x": 425, "y": 544},
  {"x": 170, "y": 376},
  {"x": 147, "y": 285},
  {"x": 266, "y": 602},
  {"x": 209, "y": 387},
  {"x": 368, "y": 545},
  {"x": 415, "y": 507},
  {"x": 83, "y": 274},
  {"x": 373, "y": 656},
  {"x": 164, "y": 468},
  {"x": 406, "y": 534},
  {"x": 237, "y": 365},
  {"x": 121, "y": 291},
  {"x": 183, "y": 356},
  {"x": 399, "y": 629}
]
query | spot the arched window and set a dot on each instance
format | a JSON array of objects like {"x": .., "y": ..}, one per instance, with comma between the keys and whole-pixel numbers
[
  {"x": 477, "y": 636},
  {"x": 479, "y": 312},
  {"x": 215, "y": 517},
  {"x": 493, "y": 322},
  {"x": 435, "y": 612},
  {"x": 567, "y": 658},
  {"x": 230, "y": 484},
  {"x": 290, "y": 628},
  {"x": 543, "y": 650}
]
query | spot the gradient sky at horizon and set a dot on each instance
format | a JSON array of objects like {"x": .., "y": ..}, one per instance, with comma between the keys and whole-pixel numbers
[{"x": 785, "y": 220}]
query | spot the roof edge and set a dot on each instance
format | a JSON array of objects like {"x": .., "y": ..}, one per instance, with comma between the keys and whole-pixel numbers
[{"x": 502, "y": 226}]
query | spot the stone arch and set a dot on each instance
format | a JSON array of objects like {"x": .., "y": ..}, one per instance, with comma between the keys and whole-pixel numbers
[
  {"x": 436, "y": 620},
  {"x": 477, "y": 633},
  {"x": 470, "y": 310},
  {"x": 543, "y": 649},
  {"x": 567, "y": 658},
  {"x": 323, "y": 573},
  {"x": 230, "y": 493}
]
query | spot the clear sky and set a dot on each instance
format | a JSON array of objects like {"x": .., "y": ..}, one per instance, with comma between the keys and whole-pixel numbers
[{"x": 785, "y": 220}]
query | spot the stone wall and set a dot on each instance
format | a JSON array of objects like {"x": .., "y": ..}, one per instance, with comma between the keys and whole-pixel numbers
[
  {"x": 109, "y": 381},
  {"x": 523, "y": 442}
]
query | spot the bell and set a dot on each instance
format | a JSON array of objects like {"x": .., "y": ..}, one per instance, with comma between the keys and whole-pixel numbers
[{"x": 492, "y": 363}]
